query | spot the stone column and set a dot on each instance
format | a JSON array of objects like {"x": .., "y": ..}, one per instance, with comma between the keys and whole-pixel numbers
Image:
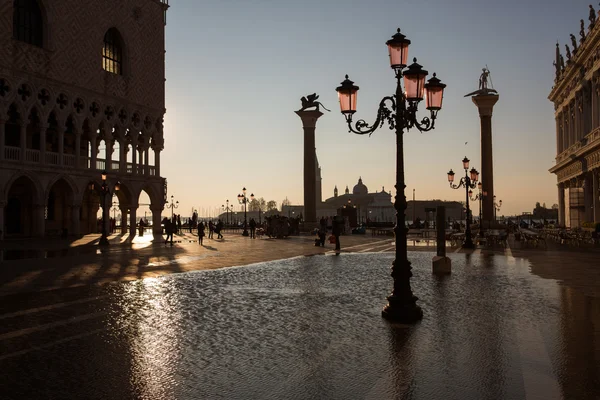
[
  {"x": 75, "y": 220},
  {"x": 309, "y": 123},
  {"x": 94, "y": 153},
  {"x": 122, "y": 153},
  {"x": 109, "y": 151},
  {"x": 61, "y": 145},
  {"x": 485, "y": 105},
  {"x": 561, "y": 204},
  {"x": 77, "y": 149},
  {"x": 132, "y": 219},
  {"x": 2, "y": 227},
  {"x": 134, "y": 155},
  {"x": 39, "y": 219},
  {"x": 106, "y": 202},
  {"x": 558, "y": 135},
  {"x": 596, "y": 194},
  {"x": 588, "y": 197},
  {"x": 2, "y": 139},
  {"x": 43, "y": 129},
  {"x": 23, "y": 139},
  {"x": 124, "y": 212},
  {"x": 157, "y": 161},
  {"x": 156, "y": 222},
  {"x": 146, "y": 160}
]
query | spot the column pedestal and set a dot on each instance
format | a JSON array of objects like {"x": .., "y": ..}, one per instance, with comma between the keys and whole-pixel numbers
[
  {"x": 561, "y": 204},
  {"x": 156, "y": 223},
  {"x": 485, "y": 105},
  {"x": 309, "y": 122}
]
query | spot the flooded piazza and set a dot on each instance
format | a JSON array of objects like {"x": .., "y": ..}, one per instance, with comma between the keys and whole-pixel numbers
[{"x": 306, "y": 328}]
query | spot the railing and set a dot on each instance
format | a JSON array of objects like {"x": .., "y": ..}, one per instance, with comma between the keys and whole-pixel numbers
[
  {"x": 32, "y": 155},
  {"x": 68, "y": 160},
  {"x": 51, "y": 158},
  {"x": 12, "y": 153}
]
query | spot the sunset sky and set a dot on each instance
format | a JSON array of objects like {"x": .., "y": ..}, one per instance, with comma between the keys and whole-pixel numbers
[{"x": 236, "y": 70}]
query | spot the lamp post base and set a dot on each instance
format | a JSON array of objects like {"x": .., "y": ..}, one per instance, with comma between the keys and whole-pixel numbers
[
  {"x": 245, "y": 233},
  {"x": 401, "y": 310},
  {"x": 103, "y": 241}
]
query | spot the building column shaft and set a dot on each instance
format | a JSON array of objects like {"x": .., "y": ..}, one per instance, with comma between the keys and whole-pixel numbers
[
  {"x": 132, "y": 219},
  {"x": 39, "y": 220},
  {"x": 109, "y": 151},
  {"x": 123, "y": 219},
  {"x": 2, "y": 227},
  {"x": 134, "y": 157},
  {"x": 146, "y": 160},
  {"x": 94, "y": 152},
  {"x": 2, "y": 138},
  {"x": 75, "y": 222},
  {"x": 23, "y": 139},
  {"x": 157, "y": 162},
  {"x": 77, "y": 150},
  {"x": 596, "y": 195},
  {"x": 156, "y": 221},
  {"x": 561, "y": 204},
  {"x": 43, "y": 130},
  {"x": 588, "y": 197},
  {"x": 61, "y": 146},
  {"x": 122, "y": 155}
]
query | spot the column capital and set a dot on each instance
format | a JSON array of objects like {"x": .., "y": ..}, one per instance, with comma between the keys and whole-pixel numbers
[
  {"x": 485, "y": 103},
  {"x": 309, "y": 118}
]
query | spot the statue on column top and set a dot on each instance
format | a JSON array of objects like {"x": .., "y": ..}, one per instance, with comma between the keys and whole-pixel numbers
[
  {"x": 311, "y": 101},
  {"x": 483, "y": 84}
]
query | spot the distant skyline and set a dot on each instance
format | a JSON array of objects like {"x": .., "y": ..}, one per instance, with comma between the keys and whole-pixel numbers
[{"x": 236, "y": 71}]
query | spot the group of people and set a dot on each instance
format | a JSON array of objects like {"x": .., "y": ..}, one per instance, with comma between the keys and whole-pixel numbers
[
  {"x": 337, "y": 224},
  {"x": 212, "y": 229}
]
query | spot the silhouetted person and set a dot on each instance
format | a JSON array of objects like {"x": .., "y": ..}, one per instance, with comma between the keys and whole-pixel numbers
[
  {"x": 169, "y": 228},
  {"x": 211, "y": 229},
  {"x": 200, "y": 232},
  {"x": 252, "y": 228},
  {"x": 337, "y": 231},
  {"x": 218, "y": 229}
]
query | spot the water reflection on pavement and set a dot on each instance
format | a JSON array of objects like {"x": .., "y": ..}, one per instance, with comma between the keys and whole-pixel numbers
[{"x": 305, "y": 328}]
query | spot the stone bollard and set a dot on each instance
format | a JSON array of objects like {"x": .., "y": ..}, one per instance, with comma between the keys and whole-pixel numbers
[{"x": 441, "y": 263}]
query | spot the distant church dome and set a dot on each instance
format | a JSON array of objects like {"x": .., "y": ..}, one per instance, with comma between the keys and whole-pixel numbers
[{"x": 360, "y": 188}]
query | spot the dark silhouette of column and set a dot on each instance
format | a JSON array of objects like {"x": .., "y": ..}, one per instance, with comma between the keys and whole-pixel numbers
[
  {"x": 309, "y": 122},
  {"x": 485, "y": 105}
]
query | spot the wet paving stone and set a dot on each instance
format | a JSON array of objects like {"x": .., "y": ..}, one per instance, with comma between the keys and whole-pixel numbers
[{"x": 306, "y": 328}]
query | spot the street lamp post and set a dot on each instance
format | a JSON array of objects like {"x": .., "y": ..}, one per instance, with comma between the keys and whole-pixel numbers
[
  {"x": 104, "y": 191},
  {"x": 479, "y": 196},
  {"x": 401, "y": 115},
  {"x": 243, "y": 199},
  {"x": 227, "y": 209},
  {"x": 497, "y": 207},
  {"x": 468, "y": 182},
  {"x": 172, "y": 206}
]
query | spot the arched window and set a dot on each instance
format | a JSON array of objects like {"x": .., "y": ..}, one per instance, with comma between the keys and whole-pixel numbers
[
  {"x": 28, "y": 22},
  {"x": 112, "y": 52}
]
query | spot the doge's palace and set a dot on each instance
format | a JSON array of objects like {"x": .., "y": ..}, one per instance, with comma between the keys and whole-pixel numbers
[{"x": 82, "y": 91}]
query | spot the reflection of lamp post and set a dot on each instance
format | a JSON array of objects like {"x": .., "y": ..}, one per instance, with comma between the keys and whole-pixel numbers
[
  {"x": 497, "y": 207},
  {"x": 479, "y": 196},
  {"x": 469, "y": 182},
  {"x": 104, "y": 191},
  {"x": 242, "y": 199},
  {"x": 401, "y": 115},
  {"x": 173, "y": 206}
]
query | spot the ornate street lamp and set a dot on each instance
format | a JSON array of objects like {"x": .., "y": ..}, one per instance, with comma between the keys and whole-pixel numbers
[
  {"x": 227, "y": 210},
  {"x": 243, "y": 199},
  {"x": 172, "y": 206},
  {"x": 479, "y": 196},
  {"x": 401, "y": 115},
  {"x": 497, "y": 207},
  {"x": 468, "y": 182},
  {"x": 104, "y": 191}
]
